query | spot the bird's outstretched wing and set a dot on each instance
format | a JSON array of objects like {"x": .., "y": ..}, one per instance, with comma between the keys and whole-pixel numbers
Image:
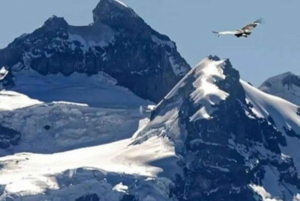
[
  {"x": 226, "y": 32},
  {"x": 252, "y": 25}
]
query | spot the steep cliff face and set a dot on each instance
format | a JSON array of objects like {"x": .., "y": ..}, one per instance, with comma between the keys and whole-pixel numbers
[
  {"x": 285, "y": 85},
  {"x": 235, "y": 142},
  {"x": 118, "y": 43}
]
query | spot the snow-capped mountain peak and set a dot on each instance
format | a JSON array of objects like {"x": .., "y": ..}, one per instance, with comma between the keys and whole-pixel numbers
[
  {"x": 285, "y": 85},
  {"x": 235, "y": 142},
  {"x": 205, "y": 93},
  {"x": 119, "y": 16},
  {"x": 114, "y": 7},
  {"x": 118, "y": 43},
  {"x": 213, "y": 137}
]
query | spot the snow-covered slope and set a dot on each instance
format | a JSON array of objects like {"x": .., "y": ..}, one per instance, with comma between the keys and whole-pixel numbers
[
  {"x": 108, "y": 171},
  {"x": 71, "y": 142},
  {"x": 68, "y": 111},
  {"x": 99, "y": 90},
  {"x": 285, "y": 85},
  {"x": 212, "y": 137},
  {"x": 284, "y": 113},
  {"x": 235, "y": 142}
]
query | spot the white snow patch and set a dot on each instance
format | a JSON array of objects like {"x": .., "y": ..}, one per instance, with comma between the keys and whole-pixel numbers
[
  {"x": 296, "y": 198},
  {"x": 261, "y": 191},
  {"x": 121, "y": 3},
  {"x": 206, "y": 93},
  {"x": 121, "y": 188},
  {"x": 3, "y": 73},
  {"x": 34, "y": 173},
  {"x": 10, "y": 100}
]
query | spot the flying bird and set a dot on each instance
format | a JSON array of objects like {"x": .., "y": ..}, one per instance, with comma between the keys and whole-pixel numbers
[{"x": 244, "y": 32}]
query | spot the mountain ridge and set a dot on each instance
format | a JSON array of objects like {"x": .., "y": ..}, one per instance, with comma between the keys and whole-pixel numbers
[
  {"x": 212, "y": 137},
  {"x": 232, "y": 144},
  {"x": 118, "y": 42}
]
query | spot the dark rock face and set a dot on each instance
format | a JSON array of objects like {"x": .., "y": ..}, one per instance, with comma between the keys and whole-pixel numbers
[
  {"x": 118, "y": 42},
  {"x": 128, "y": 198},
  {"x": 8, "y": 137},
  {"x": 291, "y": 80},
  {"x": 233, "y": 150},
  {"x": 6, "y": 79},
  {"x": 287, "y": 79},
  {"x": 94, "y": 197},
  {"x": 91, "y": 197}
]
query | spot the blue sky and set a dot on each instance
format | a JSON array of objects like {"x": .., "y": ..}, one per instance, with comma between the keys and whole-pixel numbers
[{"x": 273, "y": 47}]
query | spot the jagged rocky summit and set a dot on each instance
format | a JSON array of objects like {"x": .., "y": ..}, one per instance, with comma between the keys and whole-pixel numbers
[
  {"x": 212, "y": 137},
  {"x": 285, "y": 85},
  {"x": 234, "y": 141},
  {"x": 118, "y": 42}
]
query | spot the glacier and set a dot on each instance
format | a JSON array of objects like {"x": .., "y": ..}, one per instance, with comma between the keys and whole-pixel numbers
[{"x": 88, "y": 124}]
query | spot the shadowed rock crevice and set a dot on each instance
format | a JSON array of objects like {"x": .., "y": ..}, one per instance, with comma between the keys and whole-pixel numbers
[{"x": 8, "y": 137}]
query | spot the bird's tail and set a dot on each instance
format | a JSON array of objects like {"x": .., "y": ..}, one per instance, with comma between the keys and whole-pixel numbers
[{"x": 217, "y": 33}]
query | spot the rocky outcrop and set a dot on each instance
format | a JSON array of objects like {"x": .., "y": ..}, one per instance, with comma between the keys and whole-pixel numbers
[
  {"x": 227, "y": 150},
  {"x": 8, "y": 137},
  {"x": 118, "y": 43},
  {"x": 6, "y": 79}
]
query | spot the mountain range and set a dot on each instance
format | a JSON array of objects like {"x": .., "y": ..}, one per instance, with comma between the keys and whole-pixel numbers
[{"x": 110, "y": 111}]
